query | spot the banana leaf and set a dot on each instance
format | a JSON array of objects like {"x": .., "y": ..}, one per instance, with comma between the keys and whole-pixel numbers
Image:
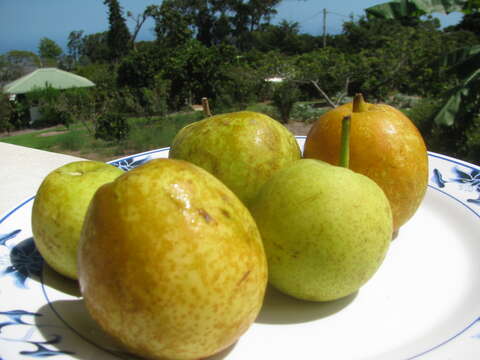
[
  {"x": 406, "y": 8},
  {"x": 456, "y": 99},
  {"x": 461, "y": 61}
]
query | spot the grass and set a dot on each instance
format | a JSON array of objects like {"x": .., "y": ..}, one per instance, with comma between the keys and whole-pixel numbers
[
  {"x": 145, "y": 134},
  {"x": 35, "y": 140}
]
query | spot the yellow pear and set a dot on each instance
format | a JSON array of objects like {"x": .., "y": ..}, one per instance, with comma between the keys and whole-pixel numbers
[{"x": 171, "y": 262}]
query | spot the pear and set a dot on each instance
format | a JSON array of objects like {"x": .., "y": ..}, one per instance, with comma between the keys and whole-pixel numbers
[
  {"x": 325, "y": 229},
  {"x": 171, "y": 262},
  {"x": 385, "y": 146},
  {"x": 59, "y": 209},
  {"x": 243, "y": 149}
]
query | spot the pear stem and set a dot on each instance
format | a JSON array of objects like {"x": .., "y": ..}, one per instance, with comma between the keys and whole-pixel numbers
[
  {"x": 206, "y": 107},
  {"x": 345, "y": 142},
  {"x": 359, "y": 104}
]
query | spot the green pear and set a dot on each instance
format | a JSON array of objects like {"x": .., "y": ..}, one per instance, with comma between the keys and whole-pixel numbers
[
  {"x": 325, "y": 229},
  {"x": 243, "y": 149},
  {"x": 59, "y": 209},
  {"x": 171, "y": 262}
]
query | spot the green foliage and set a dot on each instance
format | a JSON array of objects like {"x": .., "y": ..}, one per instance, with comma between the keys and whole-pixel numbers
[
  {"x": 240, "y": 87},
  {"x": 463, "y": 63},
  {"x": 75, "y": 45},
  {"x": 284, "y": 37},
  {"x": 6, "y": 112},
  {"x": 95, "y": 48},
  {"x": 399, "y": 59},
  {"x": 460, "y": 140},
  {"x": 306, "y": 112},
  {"x": 15, "y": 63},
  {"x": 73, "y": 140},
  {"x": 155, "y": 99},
  {"x": 139, "y": 68},
  {"x": 469, "y": 22},
  {"x": 50, "y": 104},
  {"x": 172, "y": 24},
  {"x": 284, "y": 97},
  {"x": 111, "y": 127},
  {"x": 118, "y": 35},
  {"x": 211, "y": 22},
  {"x": 49, "y": 49},
  {"x": 157, "y": 132},
  {"x": 416, "y": 8},
  {"x": 196, "y": 71},
  {"x": 103, "y": 75}
]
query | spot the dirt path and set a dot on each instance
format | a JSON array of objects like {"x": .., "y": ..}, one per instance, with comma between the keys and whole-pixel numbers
[
  {"x": 299, "y": 127},
  {"x": 28, "y": 131}
]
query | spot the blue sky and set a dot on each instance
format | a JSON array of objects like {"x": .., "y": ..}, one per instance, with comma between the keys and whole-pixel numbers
[{"x": 24, "y": 22}]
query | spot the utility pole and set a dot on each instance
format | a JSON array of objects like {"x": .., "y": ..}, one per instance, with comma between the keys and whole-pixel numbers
[{"x": 324, "y": 27}]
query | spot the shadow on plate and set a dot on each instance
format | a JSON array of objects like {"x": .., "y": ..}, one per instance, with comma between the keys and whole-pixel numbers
[
  {"x": 74, "y": 332},
  {"x": 54, "y": 280},
  {"x": 69, "y": 329},
  {"x": 26, "y": 264},
  {"x": 279, "y": 308}
]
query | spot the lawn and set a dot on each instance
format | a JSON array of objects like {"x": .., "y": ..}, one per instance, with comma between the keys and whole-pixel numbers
[{"x": 145, "y": 134}]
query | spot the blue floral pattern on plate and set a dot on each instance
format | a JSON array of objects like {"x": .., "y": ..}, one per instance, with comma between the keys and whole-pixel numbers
[{"x": 22, "y": 331}]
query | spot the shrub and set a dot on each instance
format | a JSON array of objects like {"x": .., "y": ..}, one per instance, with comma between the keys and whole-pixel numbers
[
  {"x": 72, "y": 140},
  {"x": 284, "y": 97},
  {"x": 306, "y": 112},
  {"x": 111, "y": 127},
  {"x": 6, "y": 111},
  {"x": 461, "y": 140}
]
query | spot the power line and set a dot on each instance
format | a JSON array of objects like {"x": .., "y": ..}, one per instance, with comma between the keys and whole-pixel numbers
[{"x": 335, "y": 13}]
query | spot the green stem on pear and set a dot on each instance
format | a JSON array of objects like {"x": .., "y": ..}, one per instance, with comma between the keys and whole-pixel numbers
[
  {"x": 345, "y": 143},
  {"x": 359, "y": 104}
]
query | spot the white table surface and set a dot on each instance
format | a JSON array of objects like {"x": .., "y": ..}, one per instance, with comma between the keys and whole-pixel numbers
[{"x": 22, "y": 170}]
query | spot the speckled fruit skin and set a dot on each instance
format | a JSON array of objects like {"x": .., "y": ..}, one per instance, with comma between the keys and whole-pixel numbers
[
  {"x": 325, "y": 229},
  {"x": 171, "y": 262},
  {"x": 59, "y": 209},
  {"x": 243, "y": 149},
  {"x": 384, "y": 145}
]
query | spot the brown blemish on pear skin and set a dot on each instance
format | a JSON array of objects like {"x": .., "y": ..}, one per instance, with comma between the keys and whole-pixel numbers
[
  {"x": 244, "y": 277},
  {"x": 203, "y": 213}
]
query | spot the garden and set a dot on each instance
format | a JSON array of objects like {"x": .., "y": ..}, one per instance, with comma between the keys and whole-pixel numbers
[{"x": 146, "y": 91}]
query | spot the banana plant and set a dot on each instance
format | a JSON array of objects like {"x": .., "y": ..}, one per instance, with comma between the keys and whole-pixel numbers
[
  {"x": 464, "y": 62},
  {"x": 406, "y": 8}
]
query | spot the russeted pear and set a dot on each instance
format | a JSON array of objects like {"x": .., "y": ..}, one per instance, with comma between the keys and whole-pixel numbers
[
  {"x": 171, "y": 262},
  {"x": 325, "y": 229},
  {"x": 385, "y": 146},
  {"x": 243, "y": 149}
]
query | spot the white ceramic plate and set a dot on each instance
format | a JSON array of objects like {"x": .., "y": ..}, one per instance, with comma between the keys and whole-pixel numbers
[{"x": 424, "y": 302}]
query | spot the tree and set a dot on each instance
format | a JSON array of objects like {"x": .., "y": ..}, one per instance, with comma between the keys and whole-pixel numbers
[
  {"x": 470, "y": 22},
  {"x": 463, "y": 62},
  {"x": 140, "y": 20},
  {"x": 16, "y": 63},
  {"x": 74, "y": 44},
  {"x": 212, "y": 21},
  {"x": 284, "y": 37},
  {"x": 172, "y": 24},
  {"x": 95, "y": 47},
  {"x": 250, "y": 16},
  {"x": 49, "y": 50},
  {"x": 195, "y": 71},
  {"x": 330, "y": 71},
  {"x": 398, "y": 9},
  {"x": 118, "y": 35}
]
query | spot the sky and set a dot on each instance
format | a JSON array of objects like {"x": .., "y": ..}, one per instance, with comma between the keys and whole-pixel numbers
[{"x": 24, "y": 22}]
